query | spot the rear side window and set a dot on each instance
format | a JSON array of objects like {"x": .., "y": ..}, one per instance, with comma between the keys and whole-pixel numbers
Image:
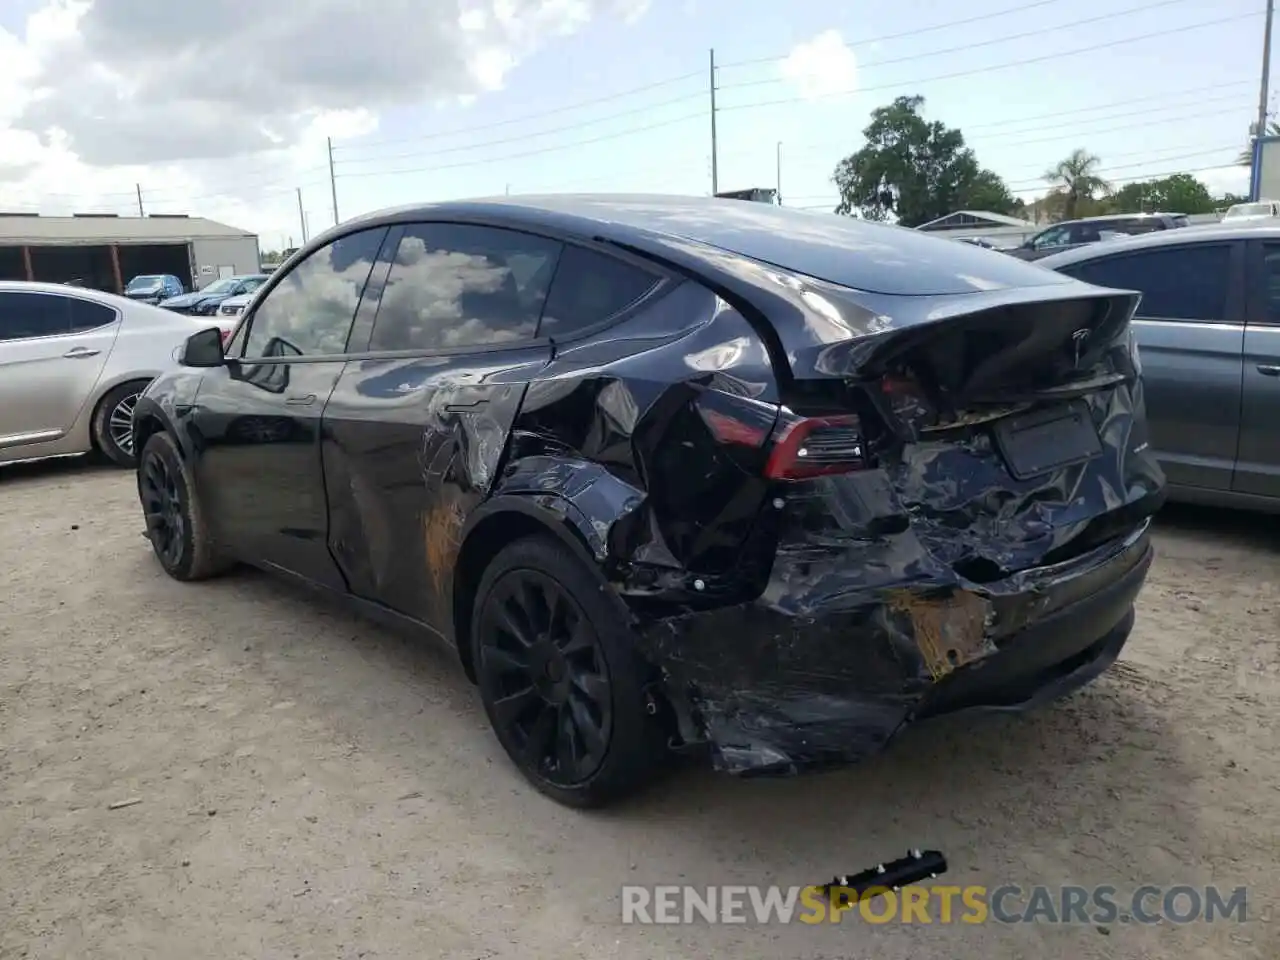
[
  {"x": 457, "y": 285},
  {"x": 589, "y": 288},
  {"x": 25, "y": 315},
  {"x": 86, "y": 315},
  {"x": 1177, "y": 283}
]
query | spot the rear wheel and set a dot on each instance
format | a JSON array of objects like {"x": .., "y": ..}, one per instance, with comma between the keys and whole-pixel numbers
[
  {"x": 175, "y": 521},
  {"x": 560, "y": 680},
  {"x": 113, "y": 423}
]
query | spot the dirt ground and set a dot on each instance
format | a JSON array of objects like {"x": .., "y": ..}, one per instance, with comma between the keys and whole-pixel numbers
[{"x": 311, "y": 786}]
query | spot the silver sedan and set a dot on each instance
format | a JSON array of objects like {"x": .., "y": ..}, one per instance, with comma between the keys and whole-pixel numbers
[{"x": 72, "y": 364}]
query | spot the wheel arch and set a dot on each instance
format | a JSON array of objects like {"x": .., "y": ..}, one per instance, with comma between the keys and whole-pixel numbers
[{"x": 503, "y": 520}]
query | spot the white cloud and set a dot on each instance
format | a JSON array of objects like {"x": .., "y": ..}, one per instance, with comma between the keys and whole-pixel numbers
[
  {"x": 222, "y": 114},
  {"x": 821, "y": 67}
]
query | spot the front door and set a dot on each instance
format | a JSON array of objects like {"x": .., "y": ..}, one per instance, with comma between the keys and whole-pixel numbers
[
  {"x": 52, "y": 351},
  {"x": 257, "y": 420}
]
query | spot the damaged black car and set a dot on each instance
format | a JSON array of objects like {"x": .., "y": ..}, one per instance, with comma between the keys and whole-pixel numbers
[{"x": 677, "y": 473}]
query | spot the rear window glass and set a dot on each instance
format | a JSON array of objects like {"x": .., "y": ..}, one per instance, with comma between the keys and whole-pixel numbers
[{"x": 589, "y": 288}]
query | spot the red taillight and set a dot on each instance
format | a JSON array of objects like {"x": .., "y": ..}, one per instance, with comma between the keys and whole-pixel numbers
[{"x": 816, "y": 447}]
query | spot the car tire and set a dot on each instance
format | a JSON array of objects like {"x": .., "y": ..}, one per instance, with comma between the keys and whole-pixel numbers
[
  {"x": 176, "y": 526},
  {"x": 112, "y": 425},
  {"x": 583, "y": 666}
]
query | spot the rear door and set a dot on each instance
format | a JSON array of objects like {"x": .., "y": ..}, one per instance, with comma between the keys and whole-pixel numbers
[
  {"x": 415, "y": 428},
  {"x": 52, "y": 351},
  {"x": 1258, "y": 462},
  {"x": 1191, "y": 337}
]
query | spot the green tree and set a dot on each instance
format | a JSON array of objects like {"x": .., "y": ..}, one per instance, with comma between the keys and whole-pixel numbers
[
  {"x": 1180, "y": 193},
  {"x": 1075, "y": 180},
  {"x": 915, "y": 171}
]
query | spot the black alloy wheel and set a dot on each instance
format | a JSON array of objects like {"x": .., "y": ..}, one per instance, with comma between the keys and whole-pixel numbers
[
  {"x": 543, "y": 665},
  {"x": 163, "y": 507},
  {"x": 561, "y": 681},
  {"x": 175, "y": 520}
]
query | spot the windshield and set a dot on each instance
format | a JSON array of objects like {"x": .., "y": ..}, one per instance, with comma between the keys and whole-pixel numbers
[
  {"x": 225, "y": 285},
  {"x": 1248, "y": 210},
  {"x": 145, "y": 283}
]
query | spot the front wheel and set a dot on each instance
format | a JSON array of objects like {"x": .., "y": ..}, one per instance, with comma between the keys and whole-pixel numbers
[
  {"x": 175, "y": 520},
  {"x": 561, "y": 682}
]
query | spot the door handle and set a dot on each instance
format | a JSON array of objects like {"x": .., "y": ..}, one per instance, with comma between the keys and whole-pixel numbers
[
  {"x": 1269, "y": 370},
  {"x": 75, "y": 353},
  {"x": 306, "y": 401}
]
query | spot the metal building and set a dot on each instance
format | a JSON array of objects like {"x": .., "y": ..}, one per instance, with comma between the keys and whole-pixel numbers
[{"x": 105, "y": 251}]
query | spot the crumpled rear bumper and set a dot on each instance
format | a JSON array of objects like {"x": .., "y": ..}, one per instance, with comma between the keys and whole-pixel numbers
[{"x": 774, "y": 693}]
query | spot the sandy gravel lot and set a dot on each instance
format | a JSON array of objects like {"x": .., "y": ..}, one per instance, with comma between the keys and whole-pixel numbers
[{"x": 311, "y": 786}]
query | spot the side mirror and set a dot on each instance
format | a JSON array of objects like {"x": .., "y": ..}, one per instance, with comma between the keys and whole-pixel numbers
[{"x": 203, "y": 349}]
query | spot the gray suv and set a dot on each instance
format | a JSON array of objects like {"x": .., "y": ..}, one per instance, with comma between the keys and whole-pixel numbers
[
  {"x": 1077, "y": 233},
  {"x": 1208, "y": 331}
]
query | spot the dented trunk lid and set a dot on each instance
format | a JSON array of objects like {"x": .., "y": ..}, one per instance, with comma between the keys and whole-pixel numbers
[{"x": 1005, "y": 427}]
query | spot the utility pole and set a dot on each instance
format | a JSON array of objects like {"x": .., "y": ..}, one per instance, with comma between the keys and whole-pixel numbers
[
  {"x": 333, "y": 183},
  {"x": 139, "y": 186},
  {"x": 1261, "y": 130},
  {"x": 715, "y": 172},
  {"x": 302, "y": 217},
  {"x": 778, "y": 175}
]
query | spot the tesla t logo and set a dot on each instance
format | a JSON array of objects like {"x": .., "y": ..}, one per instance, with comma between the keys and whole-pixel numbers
[{"x": 1079, "y": 340}]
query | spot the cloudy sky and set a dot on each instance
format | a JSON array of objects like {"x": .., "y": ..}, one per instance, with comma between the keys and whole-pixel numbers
[{"x": 222, "y": 108}]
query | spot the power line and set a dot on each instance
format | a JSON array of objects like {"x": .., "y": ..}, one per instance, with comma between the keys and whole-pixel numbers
[
  {"x": 532, "y": 153},
  {"x": 993, "y": 41},
  {"x": 1143, "y": 176},
  {"x": 1123, "y": 127},
  {"x": 1008, "y": 11},
  {"x": 525, "y": 136},
  {"x": 609, "y": 98},
  {"x": 1000, "y": 66},
  {"x": 1144, "y": 163},
  {"x": 1067, "y": 113}
]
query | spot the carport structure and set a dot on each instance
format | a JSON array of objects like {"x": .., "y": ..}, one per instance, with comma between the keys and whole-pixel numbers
[{"x": 104, "y": 251}]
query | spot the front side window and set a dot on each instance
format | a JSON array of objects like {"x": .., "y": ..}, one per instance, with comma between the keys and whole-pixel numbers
[
  {"x": 310, "y": 311},
  {"x": 456, "y": 285},
  {"x": 1176, "y": 283},
  {"x": 26, "y": 315}
]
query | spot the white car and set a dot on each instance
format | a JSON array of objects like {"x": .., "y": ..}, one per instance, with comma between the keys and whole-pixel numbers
[
  {"x": 230, "y": 310},
  {"x": 1258, "y": 210},
  {"x": 72, "y": 364}
]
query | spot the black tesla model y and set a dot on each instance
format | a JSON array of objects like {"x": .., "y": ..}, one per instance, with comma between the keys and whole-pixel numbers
[{"x": 677, "y": 474}]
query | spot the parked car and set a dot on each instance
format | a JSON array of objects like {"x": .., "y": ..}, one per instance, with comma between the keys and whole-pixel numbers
[
  {"x": 153, "y": 287},
  {"x": 677, "y": 471},
  {"x": 1209, "y": 333},
  {"x": 72, "y": 364},
  {"x": 1260, "y": 210},
  {"x": 1075, "y": 233},
  {"x": 205, "y": 302},
  {"x": 234, "y": 306}
]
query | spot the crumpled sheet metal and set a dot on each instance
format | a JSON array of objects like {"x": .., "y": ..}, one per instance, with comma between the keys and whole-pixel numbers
[{"x": 803, "y": 625}]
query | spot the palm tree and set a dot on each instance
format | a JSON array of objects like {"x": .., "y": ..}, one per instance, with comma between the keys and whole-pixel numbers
[
  {"x": 1246, "y": 155},
  {"x": 1075, "y": 179}
]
